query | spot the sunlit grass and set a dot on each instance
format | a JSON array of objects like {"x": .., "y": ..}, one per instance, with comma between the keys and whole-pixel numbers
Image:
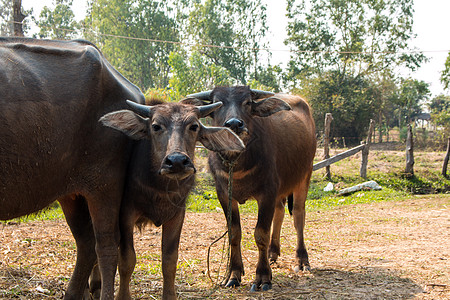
[
  {"x": 395, "y": 185},
  {"x": 53, "y": 212}
]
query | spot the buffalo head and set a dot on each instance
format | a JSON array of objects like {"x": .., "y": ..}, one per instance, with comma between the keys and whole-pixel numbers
[
  {"x": 240, "y": 105},
  {"x": 173, "y": 129}
]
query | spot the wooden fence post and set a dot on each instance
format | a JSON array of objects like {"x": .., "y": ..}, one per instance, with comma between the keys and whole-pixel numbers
[
  {"x": 409, "y": 152},
  {"x": 365, "y": 151},
  {"x": 326, "y": 142},
  {"x": 447, "y": 155}
]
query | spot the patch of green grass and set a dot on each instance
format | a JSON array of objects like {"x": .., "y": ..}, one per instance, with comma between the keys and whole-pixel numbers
[
  {"x": 52, "y": 212},
  {"x": 332, "y": 200},
  {"x": 203, "y": 198},
  {"x": 429, "y": 183},
  {"x": 396, "y": 186}
]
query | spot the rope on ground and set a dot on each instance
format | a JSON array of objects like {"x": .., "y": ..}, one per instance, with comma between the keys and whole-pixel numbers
[{"x": 231, "y": 164}]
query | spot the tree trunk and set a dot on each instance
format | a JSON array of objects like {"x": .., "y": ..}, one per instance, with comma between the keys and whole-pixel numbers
[
  {"x": 326, "y": 142},
  {"x": 447, "y": 155},
  {"x": 18, "y": 17},
  {"x": 380, "y": 128},
  {"x": 409, "y": 152}
]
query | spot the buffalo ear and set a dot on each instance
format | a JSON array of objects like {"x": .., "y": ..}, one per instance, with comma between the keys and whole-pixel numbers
[
  {"x": 220, "y": 139},
  {"x": 194, "y": 101},
  {"x": 126, "y": 121},
  {"x": 269, "y": 106}
]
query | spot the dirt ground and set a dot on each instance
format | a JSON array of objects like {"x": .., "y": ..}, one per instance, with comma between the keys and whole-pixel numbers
[{"x": 387, "y": 250}]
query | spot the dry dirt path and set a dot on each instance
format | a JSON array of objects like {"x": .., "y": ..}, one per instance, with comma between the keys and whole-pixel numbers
[{"x": 387, "y": 250}]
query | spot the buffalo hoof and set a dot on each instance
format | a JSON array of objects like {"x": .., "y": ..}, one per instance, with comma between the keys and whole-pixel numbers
[
  {"x": 302, "y": 268},
  {"x": 233, "y": 283},
  {"x": 273, "y": 258},
  {"x": 265, "y": 287}
]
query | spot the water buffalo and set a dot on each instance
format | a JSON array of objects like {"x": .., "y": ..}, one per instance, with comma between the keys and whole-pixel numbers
[
  {"x": 279, "y": 134},
  {"x": 52, "y": 146},
  {"x": 161, "y": 179}
]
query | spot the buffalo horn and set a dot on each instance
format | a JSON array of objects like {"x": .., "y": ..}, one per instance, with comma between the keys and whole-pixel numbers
[
  {"x": 205, "y": 95},
  {"x": 207, "y": 109},
  {"x": 143, "y": 110},
  {"x": 257, "y": 94}
]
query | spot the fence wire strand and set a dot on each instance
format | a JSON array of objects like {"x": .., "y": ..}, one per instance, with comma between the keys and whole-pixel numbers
[{"x": 85, "y": 29}]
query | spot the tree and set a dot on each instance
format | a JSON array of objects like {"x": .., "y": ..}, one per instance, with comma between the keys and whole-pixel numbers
[
  {"x": 445, "y": 75},
  {"x": 385, "y": 93},
  {"x": 359, "y": 37},
  {"x": 194, "y": 73},
  {"x": 349, "y": 100},
  {"x": 347, "y": 47},
  {"x": 7, "y": 17},
  {"x": 412, "y": 95},
  {"x": 59, "y": 22},
  {"x": 267, "y": 78},
  {"x": 440, "y": 115},
  {"x": 237, "y": 26},
  {"x": 127, "y": 30}
]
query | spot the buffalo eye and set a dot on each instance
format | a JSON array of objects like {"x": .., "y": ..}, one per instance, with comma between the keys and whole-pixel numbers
[
  {"x": 194, "y": 127},
  {"x": 156, "y": 127}
]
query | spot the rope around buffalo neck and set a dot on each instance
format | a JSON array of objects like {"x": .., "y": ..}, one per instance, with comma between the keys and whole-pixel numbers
[{"x": 230, "y": 164}]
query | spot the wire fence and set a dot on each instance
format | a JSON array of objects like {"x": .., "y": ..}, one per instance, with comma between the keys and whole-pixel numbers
[{"x": 83, "y": 30}]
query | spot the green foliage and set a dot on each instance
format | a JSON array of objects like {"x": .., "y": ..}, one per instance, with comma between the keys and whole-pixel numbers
[
  {"x": 349, "y": 99},
  {"x": 166, "y": 94},
  {"x": 440, "y": 111},
  {"x": 412, "y": 95},
  {"x": 353, "y": 36},
  {"x": 6, "y": 18},
  {"x": 385, "y": 95},
  {"x": 445, "y": 75},
  {"x": 344, "y": 54},
  {"x": 238, "y": 26},
  {"x": 138, "y": 58},
  {"x": 194, "y": 73},
  {"x": 58, "y": 23},
  {"x": 440, "y": 116},
  {"x": 267, "y": 78}
]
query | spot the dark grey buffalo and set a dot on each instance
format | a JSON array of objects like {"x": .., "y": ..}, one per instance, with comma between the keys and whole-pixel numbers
[
  {"x": 279, "y": 134},
  {"x": 52, "y": 146}
]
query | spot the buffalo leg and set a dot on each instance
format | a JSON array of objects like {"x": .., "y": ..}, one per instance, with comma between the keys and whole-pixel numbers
[
  {"x": 275, "y": 244},
  {"x": 171, "y": 232},
  {"x": 127, "y": 256},
  {"x": 236, "y": 268},
  {"x": 77, "y": 216},
  {"x": 95, "y": 284},
  {"x": 105, "y": 220},
  {"x": 299, "y": 214},
  {"x": 266, "y": 207}
]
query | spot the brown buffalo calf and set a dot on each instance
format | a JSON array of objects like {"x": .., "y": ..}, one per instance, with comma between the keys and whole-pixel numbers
[
  {"x": 157, "y": 189},
  {"x": 279, "y": 134}
]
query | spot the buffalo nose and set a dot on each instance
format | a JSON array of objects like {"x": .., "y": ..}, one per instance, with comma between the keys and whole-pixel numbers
[
  {"x": 234, "y": 124},
  {"x": 177, "y": 162}
]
